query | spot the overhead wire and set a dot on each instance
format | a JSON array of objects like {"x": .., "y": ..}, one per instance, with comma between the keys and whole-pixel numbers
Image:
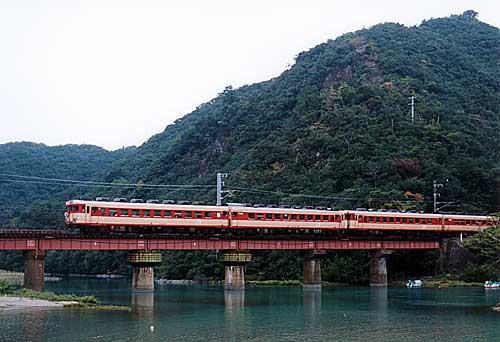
[{"x": 96, "y": 183}]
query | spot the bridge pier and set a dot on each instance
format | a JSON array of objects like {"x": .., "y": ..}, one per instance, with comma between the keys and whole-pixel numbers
[
  {"x": 312, "y": 269},
  {"x": 34, "y": 270},
  {"x": 234, "y": 269},
  {"x": 378, "y": 268},
  {"x": 142, "y": 269}
]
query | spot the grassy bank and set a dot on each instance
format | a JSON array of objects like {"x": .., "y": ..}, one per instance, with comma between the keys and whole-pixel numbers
[
  {"x": 13, "y": 278},
  {"x": 292, "y": 283},
  {"x": 17, "y": 278},
  {"x": 76, "y": 301}
]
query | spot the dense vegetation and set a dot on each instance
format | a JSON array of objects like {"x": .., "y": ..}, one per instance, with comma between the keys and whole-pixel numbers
[{"x": 336, "y": 124}]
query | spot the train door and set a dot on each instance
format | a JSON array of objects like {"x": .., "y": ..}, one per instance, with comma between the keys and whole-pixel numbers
[{"x": 87, "y": 214}]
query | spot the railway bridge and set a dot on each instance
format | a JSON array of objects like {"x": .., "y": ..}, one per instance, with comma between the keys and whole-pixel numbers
[{"x": 144, "y": 253}]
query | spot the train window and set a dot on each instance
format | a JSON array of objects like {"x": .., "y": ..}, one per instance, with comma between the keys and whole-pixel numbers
[
  {"x": 384, "y": 219},
  {"x": 198, "y": 214},
  {"x": 417, "y": 220},
  {"x": 103, "y": 212},
  {"x": 178, "y": 214},
  {"x": 251, "y": 216},
  {"x": 309, "y": 217},
  {"x": 410, "y": 220},
  {"x": 146, "y": 213},
  {"x": 302, "y": 217},
  {"x": 294, "y": 217},
  {"x": 429, "y": 221},
  {"x": 317, "y": 217},
  {"x": 404, "y": 219},
  {"x": 391, "y": 219},
  {"x": 208, "y": 214},
  {"x": 224, "y": 213},
  {"x": 94, "y": 210},
  {"x": 188, "y": 214},
  {"x": 168, "y": 213},
  {"x": 277, "y": 216},
  {"x": 260, "y": 216},
  {"x": 157, "y": 213},
  {"x": 378, "y": 219},
  {"x": 123, "y": 212},
  {"x": 113, "y": 212},
  {"x": 269, "y": 216},
  {"x": 285, "y": 217},
  {"x": 467, "y": 221},
  {"x": 135, "y": 212},
  {"x": 325, "y": 218},
  {"x": 371, "y": 218},
  {"x": 398, "y": 220}
]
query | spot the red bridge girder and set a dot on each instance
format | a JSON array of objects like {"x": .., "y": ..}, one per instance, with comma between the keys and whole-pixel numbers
[{"x": 173, "y": 244}]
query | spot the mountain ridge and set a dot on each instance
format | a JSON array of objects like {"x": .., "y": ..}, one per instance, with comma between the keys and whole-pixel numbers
[{"x": 305, "y": 130}]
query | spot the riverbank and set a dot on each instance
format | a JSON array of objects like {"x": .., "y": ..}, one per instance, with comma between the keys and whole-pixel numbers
[
  {"x": 439, "y": 283},
  {"x": 10, "y": 303},
  {"x": 17, "y": 278},
  {"x": 24, "y": 298}
]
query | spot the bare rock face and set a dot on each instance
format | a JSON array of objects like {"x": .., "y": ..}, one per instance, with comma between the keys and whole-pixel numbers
[{"x": 455, "y": 256}]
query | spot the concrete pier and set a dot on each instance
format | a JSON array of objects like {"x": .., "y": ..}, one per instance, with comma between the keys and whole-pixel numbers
[
  {"x": 34, "y": 270},
  {"x": 378, "y": 268},
  {"x": 143, "y": 279},
  {"x": 312, "y": 269},
  {"x": 234, "y": 269},
  {"x": 142, "y": 269},
  {"x": 234, "y": 277}
]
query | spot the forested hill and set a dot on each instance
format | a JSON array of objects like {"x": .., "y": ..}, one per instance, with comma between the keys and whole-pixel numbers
[
  {"x": 36, "y": 161},
  {"x": 338, "y": 123}
]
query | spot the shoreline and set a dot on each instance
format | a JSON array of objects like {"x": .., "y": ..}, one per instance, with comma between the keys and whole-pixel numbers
[{"x": 17, "y": 303}]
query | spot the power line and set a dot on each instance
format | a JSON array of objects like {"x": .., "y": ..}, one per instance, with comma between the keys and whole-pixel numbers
[
  {"x": 257, "y": 191},
  {"x": 122, "y": 185},
  {"x": 95, "y": 183}
]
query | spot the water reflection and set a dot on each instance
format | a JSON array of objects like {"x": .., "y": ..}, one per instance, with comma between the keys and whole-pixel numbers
[
  {"x": 378, "y": 300},
  {"x": 234, "y": 301},
  {"x": 312, "y": 304},
  {"x": 143, "y": 305},
  {"x": 33, "y": 321}
]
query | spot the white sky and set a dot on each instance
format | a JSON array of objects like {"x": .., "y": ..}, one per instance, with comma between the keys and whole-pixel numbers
[{"x": 113, "y": 73}]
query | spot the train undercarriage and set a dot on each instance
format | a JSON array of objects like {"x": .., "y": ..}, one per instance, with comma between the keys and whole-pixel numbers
[{"x": 266, "y": 233}]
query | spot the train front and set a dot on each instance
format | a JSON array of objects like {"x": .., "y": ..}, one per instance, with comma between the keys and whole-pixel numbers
[{"x": 75, "y": 213}]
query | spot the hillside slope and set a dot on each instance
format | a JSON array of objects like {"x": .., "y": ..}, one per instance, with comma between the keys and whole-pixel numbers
[
  {"x": 75, "y": 162},
  {"x": 338, "y": 123}
]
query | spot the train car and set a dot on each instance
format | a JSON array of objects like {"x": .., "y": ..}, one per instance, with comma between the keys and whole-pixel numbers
[
  {"x": 142, "y": 217},
  {"x": 281, "y": 219},
  {"x": 439, "y": 223},
  {"x": 104, "y": 216}
]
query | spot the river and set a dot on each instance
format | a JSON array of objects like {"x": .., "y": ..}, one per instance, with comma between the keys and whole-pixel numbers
[{"x": 208, "y": 313}]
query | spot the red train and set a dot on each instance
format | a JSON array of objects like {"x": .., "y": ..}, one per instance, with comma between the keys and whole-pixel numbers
[{"x": 103, "y": 216}]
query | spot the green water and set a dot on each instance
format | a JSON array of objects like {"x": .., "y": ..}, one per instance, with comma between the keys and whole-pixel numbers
[{"x": 190, "y": 313}]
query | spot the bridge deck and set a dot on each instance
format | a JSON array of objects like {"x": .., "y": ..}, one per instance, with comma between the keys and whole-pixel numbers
[{"x": 99, "y": 244}]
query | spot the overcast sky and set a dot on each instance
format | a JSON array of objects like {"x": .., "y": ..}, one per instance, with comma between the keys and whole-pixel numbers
[{"x": 113, "y": 73}]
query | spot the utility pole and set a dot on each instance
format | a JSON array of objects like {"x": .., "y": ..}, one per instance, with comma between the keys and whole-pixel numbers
[
  {"x": 220, "y": 184},
  {"x": 436, "y": 186},
  {"x": 412, "y": 104}
]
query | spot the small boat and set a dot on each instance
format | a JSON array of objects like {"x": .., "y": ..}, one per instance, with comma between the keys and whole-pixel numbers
[
  {"x": 414, "y": 283},
  {"x": 491, "y": 284}
]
